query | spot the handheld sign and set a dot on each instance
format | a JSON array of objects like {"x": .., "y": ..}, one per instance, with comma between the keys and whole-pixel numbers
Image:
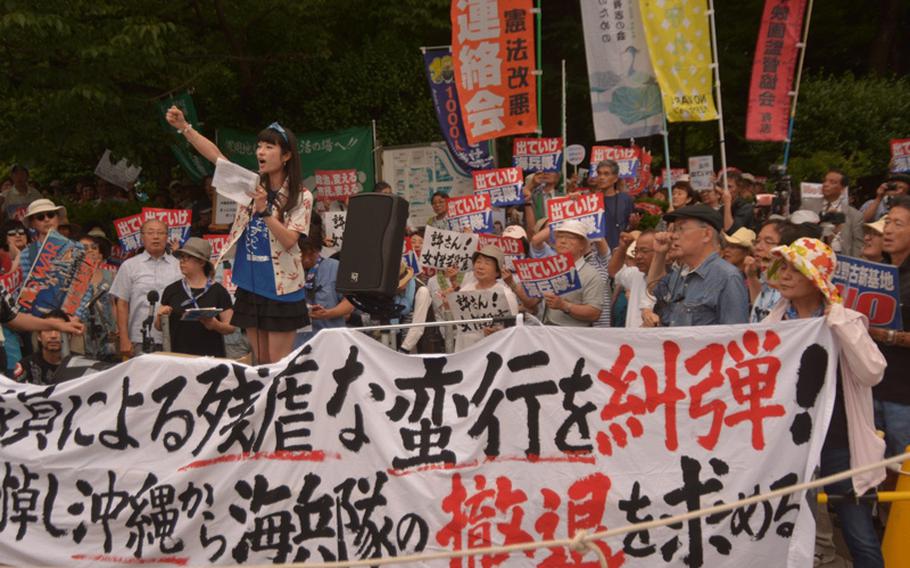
[
  {"x": 129, "y": 231},
  {"x": 336, "y": 185},
  {"x": 477, "y": 304},
  {"x": 82, "y": 280},
  {"x": 575, "y": 154},
  {"x": 472, "y": 212},
  {"x": 502, "y": 185},
  {"x": 537, "y": 154},
  {"x": 900, "y": 155},
  {"x": 676, "y": 174},
  {"x": 588, "y": 208},
  {"x": 629, "y": 159},
  {"x": 442, "y": 249},
  {"x": 701, "y": 172},
  {"x": 512, "y": 249},
  {"x": 555, "y": 274},
  {"x": 218, "y": 243},
  {"x": 870, "y": 288},
  {"x": 409, "y": 256},
  {"x": 45, "y": 286},
  {"x": 179, "y": 221}
]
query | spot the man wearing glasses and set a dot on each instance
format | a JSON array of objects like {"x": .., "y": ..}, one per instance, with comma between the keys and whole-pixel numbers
[
  {"x": 703, "y": 289},
  {"x": 153, "y": 269}
]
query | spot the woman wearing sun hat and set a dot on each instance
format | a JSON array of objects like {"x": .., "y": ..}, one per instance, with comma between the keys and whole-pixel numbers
[
  {"x": 196, "y": 290},
  {"x": 803, "y": 273}
]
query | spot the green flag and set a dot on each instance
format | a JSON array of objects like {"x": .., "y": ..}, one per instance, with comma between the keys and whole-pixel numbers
[
  {"x": 347, "y": 149},
  {"x": 195, "y": 165}
]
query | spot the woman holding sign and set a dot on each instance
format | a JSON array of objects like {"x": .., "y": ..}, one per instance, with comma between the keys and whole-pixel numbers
[
  {"x": 487, "y": 264},
  {"x": 270, "y": 303},
  {"x": 803, "y": 272}
]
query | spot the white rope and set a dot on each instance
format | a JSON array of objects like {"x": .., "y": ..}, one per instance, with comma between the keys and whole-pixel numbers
[{"x": 584, "y": 541}]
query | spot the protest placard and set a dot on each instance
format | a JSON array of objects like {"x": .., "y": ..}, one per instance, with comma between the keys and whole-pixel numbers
[
  {"x": 121, "y": 174},
  {"x": 471, "y": 212},
  {"x": 346, "y": 450},
  {"x": 870, "y": 288},
  {"x": 333, "y": 223},
  {"x": 701, "y": 172},
  {"x": 554, "y": 274},
  {"x": 409, "y": 256},
  {"x": 575, "y": 154},
  {"x": 179, "y": 221},
  {"x": 629, "y": 159},
  {"x": 337, "y": 185},
  {"x": 82, "y": 280},
  {"x": 512, "y": 248},
  {"x": 502, "y": 185},
  {"x": 676, "y": 174},
  {"x": 442, "y": 248},
  {"x": 225, "y": 210},
  {"x": 218, "y": 242},
  {"x": 587, "y": 208},
  {"x": 11, "y": 281},
  {"x": 537, "y": 154},
  {"x": 477, "y": 304},
  {"x": 129, "y": 231},
  {"x": 44, "y": 287},
  {"x": 900, "y": 155}
]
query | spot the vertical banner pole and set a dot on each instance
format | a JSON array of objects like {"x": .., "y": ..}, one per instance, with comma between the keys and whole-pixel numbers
[
  {"x": 720, "y": 106},
  {"x": 565, "y": 141},
  {"x": 539, "y": 70},
  {"x": 376, "y": 160},
  {"x": 795, "y": 93},
  {"x": 666, "y": 134}
]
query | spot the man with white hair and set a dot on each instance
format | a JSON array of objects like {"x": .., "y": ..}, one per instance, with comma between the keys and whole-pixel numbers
[
  {"x": 582, "y": 307},
  {"x": 703, "y": 289}
]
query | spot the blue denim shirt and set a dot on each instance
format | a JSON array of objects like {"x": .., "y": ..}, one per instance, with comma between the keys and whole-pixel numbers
[{"x": 712, "y": 294}]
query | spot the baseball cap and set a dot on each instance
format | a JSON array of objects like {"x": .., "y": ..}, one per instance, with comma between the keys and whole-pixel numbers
[{"x": 700, "y": 212}]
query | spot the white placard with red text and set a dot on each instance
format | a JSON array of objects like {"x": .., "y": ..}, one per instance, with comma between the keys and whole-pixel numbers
[
  {"x": 347, "y": 450},
  {"x": 129, "y": 231},
  {"x": 513, "y": 249}
]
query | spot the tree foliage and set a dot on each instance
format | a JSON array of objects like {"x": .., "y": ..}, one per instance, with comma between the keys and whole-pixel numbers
[{"x": 79, "y": 76}]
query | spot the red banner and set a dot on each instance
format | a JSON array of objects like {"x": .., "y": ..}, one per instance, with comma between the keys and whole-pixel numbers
[
  {"x": 772, "y": 70},
  {"x": 493, "y": 53}
]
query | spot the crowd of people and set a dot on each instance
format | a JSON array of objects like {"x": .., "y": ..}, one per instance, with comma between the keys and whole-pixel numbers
[{"x": 716, "y": 257}]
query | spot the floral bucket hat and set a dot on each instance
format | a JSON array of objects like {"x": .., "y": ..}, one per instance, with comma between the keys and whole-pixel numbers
[{"x": 813, "y": 259}]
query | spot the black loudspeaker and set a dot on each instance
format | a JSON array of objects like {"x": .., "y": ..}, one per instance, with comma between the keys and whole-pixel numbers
[{"x": 373, "y": 240}]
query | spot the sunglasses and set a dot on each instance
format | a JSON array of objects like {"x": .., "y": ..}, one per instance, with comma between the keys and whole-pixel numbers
[
  {"x": 43, "y": 216},
  {"x": 16, "y": 233}
]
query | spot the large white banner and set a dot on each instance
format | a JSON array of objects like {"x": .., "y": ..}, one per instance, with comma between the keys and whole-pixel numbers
[
  {"x": 625, "y": 97},
  {"x": 417, "y": 172},
  {"x": 347, "y": 450}
]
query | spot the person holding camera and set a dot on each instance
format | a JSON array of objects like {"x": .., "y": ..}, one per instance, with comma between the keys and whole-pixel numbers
[
  {"x": 875, "y": 208},
  {"x": 846, "y": 223}
]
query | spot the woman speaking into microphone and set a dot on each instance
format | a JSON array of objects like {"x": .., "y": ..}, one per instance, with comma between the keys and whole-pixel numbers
[{"x": 270, "y": 299}]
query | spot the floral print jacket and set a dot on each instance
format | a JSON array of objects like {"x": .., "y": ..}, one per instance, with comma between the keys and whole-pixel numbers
[{"x": 290, "y": 275}]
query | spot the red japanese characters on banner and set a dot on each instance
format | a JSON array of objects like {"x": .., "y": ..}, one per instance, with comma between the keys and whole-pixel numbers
[
  {"x": 218, "y": 243},
  {"x": 772, "y": 70},
  {"x": 493, "y": 53},
  {"x": 336, "y": 185}
]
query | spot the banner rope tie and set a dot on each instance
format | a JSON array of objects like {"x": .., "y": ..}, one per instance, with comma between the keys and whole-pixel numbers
[{"x": 583, "y": 543}]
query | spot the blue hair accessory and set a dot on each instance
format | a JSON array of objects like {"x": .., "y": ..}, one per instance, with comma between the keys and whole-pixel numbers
[{"x": 280, "y": 130}]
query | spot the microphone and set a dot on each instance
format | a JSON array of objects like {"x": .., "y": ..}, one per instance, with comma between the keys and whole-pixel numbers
[
  {"x": 147, "y": 341},
  {"x": 102, "y": 290}
]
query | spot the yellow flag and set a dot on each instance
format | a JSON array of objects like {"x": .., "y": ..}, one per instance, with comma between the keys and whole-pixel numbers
[{"x": 679, "y": 42}]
